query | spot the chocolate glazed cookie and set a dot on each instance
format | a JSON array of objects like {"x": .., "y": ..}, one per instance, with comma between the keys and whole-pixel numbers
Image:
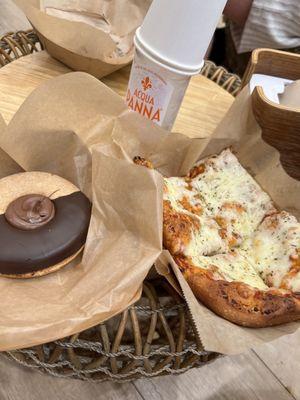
[{"x": 44, "y": 221}]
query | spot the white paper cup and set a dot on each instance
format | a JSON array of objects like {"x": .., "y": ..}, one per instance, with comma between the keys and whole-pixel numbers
[
  {"x": 178, "y": 32},
  {"x": 170, "y": 47},
  {"x": 156, "y": 90}
]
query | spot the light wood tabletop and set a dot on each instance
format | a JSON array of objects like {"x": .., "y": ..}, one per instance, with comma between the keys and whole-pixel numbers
[
  {"x": 203, "y": 107},
  {"x": 270, "y": 372}
]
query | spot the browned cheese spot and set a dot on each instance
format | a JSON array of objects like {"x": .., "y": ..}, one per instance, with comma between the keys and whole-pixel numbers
[
  {"x": 197, "y": 209},
  {"x": 293, "y": 271},
  {"x": 223, "y": 232},
  {"x": 196, "y": 170},
  {"x": 272, "y": 221},
  {"x": 177, "y": 229},
  {"x": 230, "y": 205},
  {"x": 185, "y": 263},
  {"x": 189, "y": 185},
  {"x": 221, "y": 221}
]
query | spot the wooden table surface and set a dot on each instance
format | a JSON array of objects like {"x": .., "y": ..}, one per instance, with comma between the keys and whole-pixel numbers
[
  {"x": 203, "y": 107},
  {"x": 270, "y": 372}
]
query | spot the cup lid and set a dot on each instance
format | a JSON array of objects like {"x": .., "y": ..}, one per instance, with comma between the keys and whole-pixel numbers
[{"x": 179, "y": 32}]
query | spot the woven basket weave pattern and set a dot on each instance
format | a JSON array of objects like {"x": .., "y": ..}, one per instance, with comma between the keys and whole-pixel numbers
[
  {"x": 155, "y": 336},
  {"x": 16, "y": 45}
]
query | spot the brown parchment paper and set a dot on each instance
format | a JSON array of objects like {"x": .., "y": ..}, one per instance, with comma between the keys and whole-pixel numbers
[
  {"x": 94, "y": 36},
  {"x": 7, "y": 165},
  {"x": 76, "y": 127},
  {"x": 54, "y": 131}
]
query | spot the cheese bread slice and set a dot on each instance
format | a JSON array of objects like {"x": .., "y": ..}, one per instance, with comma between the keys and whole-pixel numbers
[{"x": 239, "y": 254}]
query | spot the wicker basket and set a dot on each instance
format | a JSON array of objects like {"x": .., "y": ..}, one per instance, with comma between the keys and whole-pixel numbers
[{"x": 153, "y": 337}]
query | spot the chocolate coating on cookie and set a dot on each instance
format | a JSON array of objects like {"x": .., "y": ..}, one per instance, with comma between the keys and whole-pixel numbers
[
  {"x": 30, "y": 212},
  {"x": 25, "y": 251}
]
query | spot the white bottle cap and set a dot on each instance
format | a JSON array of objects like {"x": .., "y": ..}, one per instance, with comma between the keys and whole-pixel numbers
[{"x": 177, "y": 33}]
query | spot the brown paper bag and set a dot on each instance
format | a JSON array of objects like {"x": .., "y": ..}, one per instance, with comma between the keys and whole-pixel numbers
[
  {"x": 83, "y": 131},
  {"x": 95, "y": 36}
]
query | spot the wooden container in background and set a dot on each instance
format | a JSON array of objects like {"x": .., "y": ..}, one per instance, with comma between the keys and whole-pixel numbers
[{"x": 280, "y": 123}]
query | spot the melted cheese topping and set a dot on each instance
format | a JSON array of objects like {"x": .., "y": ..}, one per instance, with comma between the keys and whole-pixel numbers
[
  {"x": 206, "y": 240},
  {"x": 232, "y": 266},
  {"x": 232, "y": 196},
  {"x": 176, "y": 189},
  {"x": 276, "y": 250},
  {"x": 235, "y": 213}
]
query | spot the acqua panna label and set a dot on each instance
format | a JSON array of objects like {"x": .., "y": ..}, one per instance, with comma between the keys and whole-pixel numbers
[{"x": 148, "y": 93}]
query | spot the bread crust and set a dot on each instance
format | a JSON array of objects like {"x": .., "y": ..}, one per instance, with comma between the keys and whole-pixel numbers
[{"x": 240, "y": 303}]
